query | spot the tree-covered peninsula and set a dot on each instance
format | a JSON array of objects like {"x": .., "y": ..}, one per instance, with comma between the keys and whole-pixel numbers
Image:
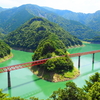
[
  {"x": 28, "y": 36},
  {"x": 58, "y": 67},
  {"x": 5, "y": 51}
]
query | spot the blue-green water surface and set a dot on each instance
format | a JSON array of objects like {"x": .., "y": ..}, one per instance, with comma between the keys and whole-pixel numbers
[{"x": 25, "y": 84}]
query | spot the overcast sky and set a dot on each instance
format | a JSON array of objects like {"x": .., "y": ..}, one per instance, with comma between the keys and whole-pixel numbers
[{"x": 85, "y": 6}]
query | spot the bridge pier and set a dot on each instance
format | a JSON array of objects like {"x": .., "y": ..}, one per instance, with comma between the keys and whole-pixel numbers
[
  {"x": 78, "y": 62},
  {"x": 9, "y": 82},
  {"x": 93, "y": 58}
]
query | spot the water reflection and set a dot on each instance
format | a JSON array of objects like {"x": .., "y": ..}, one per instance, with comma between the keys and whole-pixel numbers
[
  {"x": 18, "y": 86},
  {"x": 9, "y": 92},
  {"x": 26, "y": 83},
  {"x": 92, "y": 66}
]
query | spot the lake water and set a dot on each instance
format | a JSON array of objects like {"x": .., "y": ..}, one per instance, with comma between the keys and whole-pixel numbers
[{"x": 25, "y": 84}]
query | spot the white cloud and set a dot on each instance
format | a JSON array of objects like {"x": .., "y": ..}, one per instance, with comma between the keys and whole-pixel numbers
[
  {"x": 86, "y": 6},
  {"x": 8, "y": 3}
]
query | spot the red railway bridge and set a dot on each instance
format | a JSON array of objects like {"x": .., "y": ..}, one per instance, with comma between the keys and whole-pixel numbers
[{"x": 42, "y": 61}]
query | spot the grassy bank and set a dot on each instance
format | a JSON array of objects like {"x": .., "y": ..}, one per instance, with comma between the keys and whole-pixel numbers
[
  {"x": 86, "y": 42},
  {"x": 6, "y": 57}
]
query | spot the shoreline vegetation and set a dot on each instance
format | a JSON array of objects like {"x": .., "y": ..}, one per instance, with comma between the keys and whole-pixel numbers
[
  {"x": 76, "y": 46},
  {"x": 22, "y": 49},
  {"x": 6, "y": 58},
  {"x": 86, "y": 42},
  {"x": 54, "y": 77},
  {"x": 29, "y": 50},
  {"x": 26, "y": 50}
]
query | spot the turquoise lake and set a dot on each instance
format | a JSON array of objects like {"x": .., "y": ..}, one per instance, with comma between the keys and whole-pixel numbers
[{"x": 25, "y": 84}]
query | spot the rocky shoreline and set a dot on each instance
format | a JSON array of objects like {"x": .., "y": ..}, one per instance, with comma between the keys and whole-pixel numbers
[{"x": 52, "y": 76}]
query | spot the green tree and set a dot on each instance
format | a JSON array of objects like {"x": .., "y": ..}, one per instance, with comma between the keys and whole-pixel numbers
[
  {"x": 4, "y": 49},
  {"x": 70, "y": 92},
  {"x": 59, "y": 64},
  {"x": 2, "y": 95},
  {"x": 50, "y": 46},
  {"x": 94, "y": 92},
  {"x": 33, "y": 98},
  {"x": 89, "y": 83}
]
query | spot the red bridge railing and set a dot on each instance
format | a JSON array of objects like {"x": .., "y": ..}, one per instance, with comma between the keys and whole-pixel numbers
[
  {"x": 38, "y": 62},
  {"x": 23, "y": 65}
]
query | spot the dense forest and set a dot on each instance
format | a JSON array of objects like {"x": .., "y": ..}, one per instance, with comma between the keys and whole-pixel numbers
[
  {"x": 50, "y": 46},
  {"x": 32, "y": 32},
  {"x": 90, "y": 91},
  {"x": 55, "y": 69},
  {"x": 4, "y": 49}
]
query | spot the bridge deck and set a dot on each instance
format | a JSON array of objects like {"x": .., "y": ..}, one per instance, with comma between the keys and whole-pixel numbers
[{"x": 38, "y": 62}]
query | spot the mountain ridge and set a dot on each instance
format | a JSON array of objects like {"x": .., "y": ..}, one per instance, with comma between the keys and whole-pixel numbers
[
  {"x": 91, "y": 20},
  {"x": 10, "y": 23}
]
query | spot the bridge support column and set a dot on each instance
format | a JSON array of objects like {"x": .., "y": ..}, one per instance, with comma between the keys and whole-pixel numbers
[
  {"x": 78, "y": 62},
  {"x": 93, "y": 58},
  {"x": 9, "y": 82}
]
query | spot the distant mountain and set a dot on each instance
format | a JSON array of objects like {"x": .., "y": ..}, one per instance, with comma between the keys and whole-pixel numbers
[
  {"x": 80, "y": 17},
  {"x": 91, "y": 20},
  {"x": 13, "y": 18},
  {"x": 28, "y": 36},
  {"x": 2, "y": 9}
]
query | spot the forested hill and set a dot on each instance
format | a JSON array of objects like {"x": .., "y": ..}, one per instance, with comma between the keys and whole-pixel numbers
[
  {"x": 50, "y": 46},
  {"x": 91, "y": 20},
  {"x": 4, "y": 49},
  {"x": 57, "y": 68},
  {"x": 2, "y": 9},
  {"x": 11, "y": 19},
  {"x": 32, "y": 32}
]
